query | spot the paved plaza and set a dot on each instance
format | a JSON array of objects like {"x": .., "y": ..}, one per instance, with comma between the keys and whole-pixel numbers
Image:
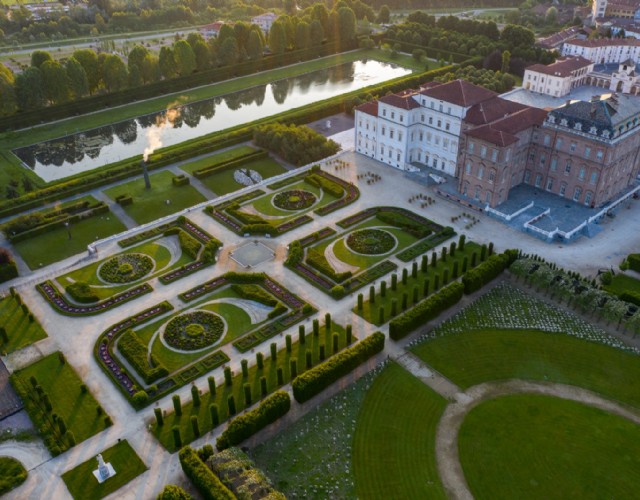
[{"x": 76, "y": 336}]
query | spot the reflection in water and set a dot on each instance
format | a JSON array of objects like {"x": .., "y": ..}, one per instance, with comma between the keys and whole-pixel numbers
[{"x": 91, "y": 149}]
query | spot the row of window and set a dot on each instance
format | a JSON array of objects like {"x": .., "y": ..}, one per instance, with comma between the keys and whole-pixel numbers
[
  {"x": 480, "y": 172},
  {"x": 483, "y": 151},
  {"x": 393, "y": 115},
  {"x": 573, "y": 146},
  {"x": 562, "y": 191},
  {"x": 553, "y": 167}
]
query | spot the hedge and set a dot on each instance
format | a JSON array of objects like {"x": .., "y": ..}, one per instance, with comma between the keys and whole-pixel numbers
[
  {"x": 634, "y": 262},
  {"x": 325, "y": 184},
  {"x": 180, "y": 180},
  {"x": 82, "y": 293},
  {"x": 207, "y": 483},
  {"x": 425, "y": 310},
  {"x": 245, "y": 426},
  {"x": 8, "y": 271},
  {"x": 476, "y": 278},
  {"x": 229, "y": 164},
  {"x": 188, "y": 244},
  {"x": 314, "y": 381},
  {"x": 254, "y": 292},
  {"x": 135, "y": 352},
  {"x": 629, "y": 296}
]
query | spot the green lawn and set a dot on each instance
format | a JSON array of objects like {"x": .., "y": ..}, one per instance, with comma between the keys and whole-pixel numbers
[
  {"x": 224, "y": 183},
  {"x": 12, "y": 474},
  {"x": 89, "y": 274},
  {"x": 63, "y": 386},
  {"x": 55, "y": 245},
  {"x": 532, "y": 446},
  {"x": 20, "y": 330},
  {"x": 621, "y": 283},
  {"x": 298, "y": 352},
  {"x": 371, "y": 312},
  {"x": 265, "y": 206},
  {"x": 394, "y": 443},
  {"x": 83, "y": 485},
  {"x": 228, "y": 155},
  {"x": 151, "y": 204},
  {"x": 312, "y": 457}
]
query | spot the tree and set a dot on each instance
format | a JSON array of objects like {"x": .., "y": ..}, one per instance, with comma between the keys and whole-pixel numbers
[
  {"x": 134, "y": 64},
  {"x": 173, "y": 492},
  {"x": 346, "y": 26},
  {"x": 115, "y": 74},
  {"x": 277, "y": 38},
  {"x": 8, "y": 101},
  {"x": 320, "y": 13},
  {"x": 316, "y": 33},
  {"x": 255, "y": 46},
  {"x": 150, "y": 69},
  {"x": 506, "y": 59},
  {"x": 184, "y": 57},
  {"x": 303, "y": 36},
  {"x": 384, "y": 15},
  {"x": 203, "y": 56},
  {"x": 77, "y": 77},
  {"x": 39, "y": 57},
  {"x": 517, "y": 36},
  {"x": 229, "y": 52},
  {"x": 551, "y": 16},
  {"x": 29, "y": 89},
  {"x": 194, "y": 38},
  {"x": 167, "y": 63},
  {"x": 89, "y": 62}
]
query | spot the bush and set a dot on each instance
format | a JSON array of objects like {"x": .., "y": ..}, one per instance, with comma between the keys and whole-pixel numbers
[
  {"x": 207, "y": 483},
  {"x": 81, "y": 292},
  {"x": 314, "y": 381},
  {"x": 245, "y": 426},
  {"x": 325, "y": 184},
  {"x": 124, "y": 199},
  {"x": 135, "y": 352},
  {"x": 8, "y": 268},
  {"x": 189, "y": 244},
  {"x": 173, "y": 492},
  {"x": 255, "y": 292},
  {"x": 425, "y": 310},
  {"x": 634, "y": 262},
  {"x": 180, "y": 180},
  {"x": 476, "y": 278},
  {"x": 299, "y": 145},
  {"x": 337, "y": 292}
]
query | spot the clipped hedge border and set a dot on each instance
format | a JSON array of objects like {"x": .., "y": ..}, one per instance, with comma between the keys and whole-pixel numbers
[
  {"x": 203, "y": 478},
  {"x": 315, "y": 380},
  {"x": 135, "y": 352},
  {"x": 425, "y": 310},
  {"x": 244, "y": 426},
  {"x": 237, "y": 162},
  {"x": 476, "y": 278}
]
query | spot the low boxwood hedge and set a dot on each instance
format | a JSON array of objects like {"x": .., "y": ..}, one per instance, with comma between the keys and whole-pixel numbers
[
  {"x": 245, "y": 426},
  {"x": 425, "y": 310},
  {"x": 634, "y": 262},
  {"x": 135, "y": 352},
  {"x": 81, "y": 292},
  {"x": 188, "y": 244},
  {"x": 203, "y": 478},
  {"x": 314, "y": 381}
]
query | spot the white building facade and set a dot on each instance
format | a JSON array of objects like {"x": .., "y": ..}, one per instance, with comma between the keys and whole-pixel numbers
[
  {"x": 604, "y": 50},
  {"x": 559, "y": 78}
]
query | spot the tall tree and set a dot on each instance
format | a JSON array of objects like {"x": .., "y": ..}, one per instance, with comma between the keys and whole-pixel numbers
[
  {"x": 114, "y": 73},
  {"x": 320, "y": 13},
  {"x": 316, "y": 33},
  {"x": 184, "y": 57},
  {"x": 89, "y": 61},
  {"x": 384, "y": 15},
  {"x": 506, "y": 59},
  {"x": 255, "y": 46},
  {"x": 193, "y": 38},
  {"x": 134, "y": 64},
  {"x": 55, "y": 81},
  {"x": 518, "y": 36},
  {"x": 226, "y": 31},
  {"x": 242, "y": 31},
  {"x": 78, "y": 82},
  {"x": 203, "y": 56},
  {"x": 167, "y": 63},
  {"x": 277, "y": 38},
  {"x": 346, "y": 26},
  {"x": 150, "y": 69},
  {"x": 39, "y": 57},
  {"x": 8, "y": 101},
  {"x": 229, "y": 52},
  {"x": 30, "y": 89},
  {"x": 303, "y": 35}
]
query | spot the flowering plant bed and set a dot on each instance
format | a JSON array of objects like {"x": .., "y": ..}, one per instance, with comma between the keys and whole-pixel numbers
[
  {"x": 125, "y": 268},
  {"x": 181, "y": 222},
  {"x": 194, "y": 330},
  {"x": 295, "y": 199},
  {"x": 371, "y": 241}
]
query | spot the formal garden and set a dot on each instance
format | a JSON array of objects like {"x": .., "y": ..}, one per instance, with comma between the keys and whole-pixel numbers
[{"x": 18, "y": 326}]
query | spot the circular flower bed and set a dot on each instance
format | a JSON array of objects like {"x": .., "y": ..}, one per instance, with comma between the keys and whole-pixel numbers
[
  {"x": 371, "y": 241},
  {"x": 194, "y": 330},
  {"x": 295, "y": 199},
  {"x": 126, "y": 268}
]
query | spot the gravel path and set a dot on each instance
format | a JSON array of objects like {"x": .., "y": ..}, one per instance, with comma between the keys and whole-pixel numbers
[{"x": 338, "y": 265}]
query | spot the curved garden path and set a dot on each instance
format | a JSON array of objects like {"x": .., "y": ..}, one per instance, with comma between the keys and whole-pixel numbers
[
  {"x": 449, "y": 466},
  {"x": 338, "y": 265}
]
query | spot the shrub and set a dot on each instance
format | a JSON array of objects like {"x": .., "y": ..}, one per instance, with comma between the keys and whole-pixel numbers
[
  {"x": 173, "y": 492},
  {"x": 476, "y": 278},
  {"x": 207, "y": 483},
  {"x": 82, "y": 293},
  {"x": 180, "y": 180},
  {"x": 244, "y": 426},
  {"x": 189, "y": 244},
  {"x": 314, "y": 381},
  {"x": 634, "y": 262},
  {"x": 425, "y": 310},
  {"x": 337, "y": 292},
  {"x": 140, "y": 398},
  {"x": 299, "y": 145},
  {"x": 135, "y": 352}
]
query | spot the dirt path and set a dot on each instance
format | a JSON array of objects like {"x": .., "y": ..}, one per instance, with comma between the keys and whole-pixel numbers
[{"x": 447, "y": 456}]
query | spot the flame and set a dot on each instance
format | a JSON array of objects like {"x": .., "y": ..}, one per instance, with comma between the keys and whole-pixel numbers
[{"x": 163, "y": 122}]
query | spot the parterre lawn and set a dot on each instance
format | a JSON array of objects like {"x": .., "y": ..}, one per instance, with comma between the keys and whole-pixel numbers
[
  {"x": 151, "y": 204},
  {"x": 394, "y": 443},
  {"x": 20, "y": 330},
  {"x": 472, "y": 357},
  {"x": 228, "y": 155},
  {"x": 84, "y": 486},
  {"x": 530, "y": 446},
  {"x": 62, "y": 384},
  {"x": 55, "y": 245},
  {"x": 224, "y": 183}
]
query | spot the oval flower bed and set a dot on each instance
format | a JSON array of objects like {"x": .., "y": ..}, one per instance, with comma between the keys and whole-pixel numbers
[
  {"x": 126, "y": 268},
  {"x": 371, "y": 241},
  {"x": 294, "y": 199},
  {"x": 194, "y": 330}
]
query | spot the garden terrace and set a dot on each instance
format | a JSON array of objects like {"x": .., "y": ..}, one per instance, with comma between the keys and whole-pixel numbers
[
  {"x": 312, "y": 347},
  {"x": 58, "y": 403},
  {"x": 50, "y": 292}
]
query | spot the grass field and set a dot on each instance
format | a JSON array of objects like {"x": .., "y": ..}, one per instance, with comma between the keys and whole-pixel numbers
[
  {"x": 301, "y": 459},
  {"x": 56, "y": 245},
  {"x": 84, "y": 486},
  {"x": 621, "y": 283},
  {"x": 151, "y": 204},
  {"x": 269, "y": 371},
  {"x": 62, "y": 384},
  {"x": 20, "y": 330},
  {"x": 533, "y": 446},
  {"x": 12, "y": 474},
  {"x": 394, "y": 443},
  {"x": 223, "y": 182},
  {"x": 228, "y": 155}
]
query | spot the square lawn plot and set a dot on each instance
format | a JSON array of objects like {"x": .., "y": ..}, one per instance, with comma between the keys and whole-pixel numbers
[
  {"x": 55, "y": 245},
  {"x": 83, "y": 485},
  {"x": 151, "y": 204},
  {"x": 224, "y": 183}
]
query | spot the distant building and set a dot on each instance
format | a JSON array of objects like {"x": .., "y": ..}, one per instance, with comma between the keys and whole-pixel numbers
[
  {"x": 211, "y": 30},
  {"x": 559, "y": 78},
  {"x": 604, "y": 50},
  {"x": 265, "y": 21},
  {"x": 556, "y": 40}
]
